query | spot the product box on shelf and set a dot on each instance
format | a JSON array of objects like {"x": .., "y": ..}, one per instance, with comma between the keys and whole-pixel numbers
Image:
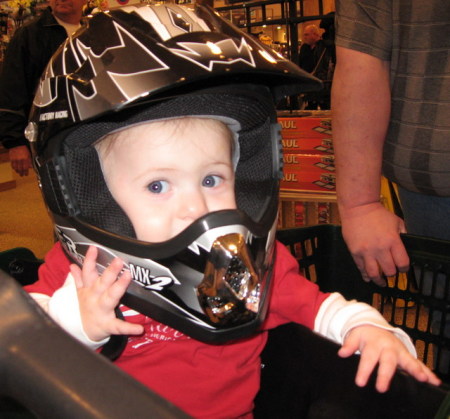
[
  {"x": 308, "y": 194},
  {"x": 308, "y": 181},
  {"x": 305, "y": 126},
  {"x": 308, "y": 154},
  {"x": 303, "y": 212},
  {"x": 308, "y": 145},
  {"x": 308, "y": 162},
  {"x": 306, "y": 132}
]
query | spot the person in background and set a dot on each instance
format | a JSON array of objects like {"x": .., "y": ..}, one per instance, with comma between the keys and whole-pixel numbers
[
  {"x": 311, "y": 48},
  {"x": 316, "y": 57},
  {"x": 25, "y": 59},
  {"x": 391, "y": 116}
]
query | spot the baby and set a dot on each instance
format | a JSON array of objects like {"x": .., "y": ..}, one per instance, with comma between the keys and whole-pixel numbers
[
  {"x": 164, "y": 178},
  {"x": 167, "y": 203}
]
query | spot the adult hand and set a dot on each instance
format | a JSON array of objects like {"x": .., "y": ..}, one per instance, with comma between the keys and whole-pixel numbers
[
  {"x": 20, "y": 159},
  {"x": 372, "y": 234},
  {"x": 381, "y": 347},
  {"x": 99, "y": 295}
]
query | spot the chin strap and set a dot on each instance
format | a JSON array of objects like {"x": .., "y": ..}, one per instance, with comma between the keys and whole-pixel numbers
[{"x": 116, "y": 344}]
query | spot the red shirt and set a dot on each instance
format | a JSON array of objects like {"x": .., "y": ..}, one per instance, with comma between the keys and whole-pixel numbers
[{"x": 206, "y": 381}]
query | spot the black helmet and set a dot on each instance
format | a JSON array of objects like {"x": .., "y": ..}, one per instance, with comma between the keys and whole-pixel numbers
[{"x": 145, "y": 63}]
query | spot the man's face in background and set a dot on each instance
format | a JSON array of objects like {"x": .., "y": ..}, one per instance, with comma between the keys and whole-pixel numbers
[
  {"x": 310, "y": 35},
  {"x": 67, "y": 10}
]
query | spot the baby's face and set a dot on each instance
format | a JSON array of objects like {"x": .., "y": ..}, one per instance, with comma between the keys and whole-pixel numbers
[{"x": 165, "y": 175}]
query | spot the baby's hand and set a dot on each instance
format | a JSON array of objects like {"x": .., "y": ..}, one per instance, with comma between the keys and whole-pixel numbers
[
  {"x": 99, "y": 295},
  {"x": 383, "y": 347}
]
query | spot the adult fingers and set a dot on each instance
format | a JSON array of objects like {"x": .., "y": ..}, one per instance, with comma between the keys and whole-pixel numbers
[{"x": 369, "y": 269}]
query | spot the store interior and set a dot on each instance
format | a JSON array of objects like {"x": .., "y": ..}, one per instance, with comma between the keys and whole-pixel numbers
[
  {"x": 279, "y": 24},
  {"x": 308, "y": 195}
]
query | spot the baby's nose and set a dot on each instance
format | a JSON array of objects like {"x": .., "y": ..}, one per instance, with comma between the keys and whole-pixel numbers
[{"x": 194, "y": 205}]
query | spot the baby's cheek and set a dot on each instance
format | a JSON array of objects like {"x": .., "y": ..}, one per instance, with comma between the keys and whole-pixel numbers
[
  {"x": 154, "y": 229},
  {"x": 225, "y": 202}
]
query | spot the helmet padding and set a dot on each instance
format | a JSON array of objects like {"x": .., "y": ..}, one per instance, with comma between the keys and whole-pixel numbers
[{"x": 253, "y": 114}]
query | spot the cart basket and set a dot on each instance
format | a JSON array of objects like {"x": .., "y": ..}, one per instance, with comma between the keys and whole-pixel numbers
[{"x": 417, "y": 301}]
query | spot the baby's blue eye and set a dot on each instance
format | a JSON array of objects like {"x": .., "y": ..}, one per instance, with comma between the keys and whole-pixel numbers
[
  {"x": 157, "y": 187},
  {"x": 211, "y": 181}
]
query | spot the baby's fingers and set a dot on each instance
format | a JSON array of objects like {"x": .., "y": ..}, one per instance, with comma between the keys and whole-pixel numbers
[
  {"x": 110, "y": 274},
  {"x": 367, "y": 364},
  {"x": 419, "y": 370},
  {"x": 111, "y": 287},
  {"x": 118, "y": 288},
  {"x": 349, "y": 347},
  {"x": 89, "y": 270},
  {"x": 386, "y": 370},
  {"x": 121, "y": 327},
  {"x": 367, "y": 361}
]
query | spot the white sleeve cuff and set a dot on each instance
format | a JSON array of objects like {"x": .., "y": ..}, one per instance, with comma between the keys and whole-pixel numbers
[
  {"x": 64, "y": 309},
  {"x": 337, "y": 317}
]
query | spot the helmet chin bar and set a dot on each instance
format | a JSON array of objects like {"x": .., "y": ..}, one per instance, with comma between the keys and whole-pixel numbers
[
  {"x": 214, "y": 286},
  {"x": 230, "y": 291}
]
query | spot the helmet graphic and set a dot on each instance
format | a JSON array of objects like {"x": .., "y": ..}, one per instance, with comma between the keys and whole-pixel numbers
[{"x": 146, "y": 63}]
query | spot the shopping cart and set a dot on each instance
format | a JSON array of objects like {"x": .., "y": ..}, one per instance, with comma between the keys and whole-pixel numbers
[
  {"x": 418, "y": 301},
  {"x": 45, "y": 373}
]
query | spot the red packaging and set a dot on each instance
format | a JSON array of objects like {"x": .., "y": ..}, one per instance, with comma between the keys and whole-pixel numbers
[
  {"x": 308, "y": 162},
  {"x": 305, "y": 127},
  {"x": 301, "y": 180}
]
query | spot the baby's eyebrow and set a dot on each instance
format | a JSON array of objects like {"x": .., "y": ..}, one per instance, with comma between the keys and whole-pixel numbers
[
  {"x": 221, "y": 163},
  {"x": 154, "y": 172},
  {"x": 151, "y": 174}
]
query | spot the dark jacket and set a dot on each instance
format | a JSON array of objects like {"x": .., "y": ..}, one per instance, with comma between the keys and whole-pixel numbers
[
  {"x": 27, "y": 55},
  {"x": 310, "y": 59}
]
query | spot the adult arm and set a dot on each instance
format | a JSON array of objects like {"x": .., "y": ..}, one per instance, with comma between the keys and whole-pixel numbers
[{"x": 361, "y": 110}]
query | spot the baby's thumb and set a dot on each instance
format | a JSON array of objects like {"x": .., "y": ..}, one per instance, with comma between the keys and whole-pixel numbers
[
  {"x": 349, "y": 347},
  {"x": 76, "y": 274}
]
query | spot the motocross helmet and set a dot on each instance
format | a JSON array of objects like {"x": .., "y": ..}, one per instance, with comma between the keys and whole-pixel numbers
[{"x": 145, "y": 63}]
